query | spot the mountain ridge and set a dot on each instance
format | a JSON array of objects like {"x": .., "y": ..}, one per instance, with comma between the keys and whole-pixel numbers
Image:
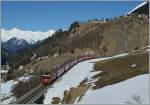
[
  {"x": 14, "y": 44},
  {"x": 30, "y": 36}
]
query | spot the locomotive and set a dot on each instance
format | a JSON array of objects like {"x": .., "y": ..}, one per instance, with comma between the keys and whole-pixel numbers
[{"x": 60, "y": 70}]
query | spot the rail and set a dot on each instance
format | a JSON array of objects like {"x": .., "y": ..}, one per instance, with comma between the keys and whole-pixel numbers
[{"x": 26, "y": 97}]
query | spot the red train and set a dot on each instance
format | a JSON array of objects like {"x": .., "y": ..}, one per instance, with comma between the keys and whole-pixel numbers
[{"x": 57, "y": 72}]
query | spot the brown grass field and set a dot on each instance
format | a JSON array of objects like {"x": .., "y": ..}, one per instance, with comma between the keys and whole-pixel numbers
[{"x": 118, "y": 69}]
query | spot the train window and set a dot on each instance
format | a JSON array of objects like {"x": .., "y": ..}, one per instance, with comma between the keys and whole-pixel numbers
[
  {"x": 47, "y": 77},
  {"x": 43, "y": 77}
]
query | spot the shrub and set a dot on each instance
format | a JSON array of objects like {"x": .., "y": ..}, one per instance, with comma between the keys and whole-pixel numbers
[
  {"x": 56, "y": 100},
  {"x": 23, "y": 87},
  {"x": 135, "y": 100}
]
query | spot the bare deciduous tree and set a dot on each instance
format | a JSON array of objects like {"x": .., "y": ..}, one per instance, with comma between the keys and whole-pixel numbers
[{"x": 136, "y": 99}]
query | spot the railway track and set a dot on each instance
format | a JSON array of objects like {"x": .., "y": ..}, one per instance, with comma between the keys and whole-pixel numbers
[{"x": 31, "y": 96}]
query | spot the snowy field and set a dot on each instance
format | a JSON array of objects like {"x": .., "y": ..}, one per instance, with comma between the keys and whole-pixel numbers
[
  {"x": 72, "y": 78},
  {"x": 6, "y": 88},
  {"x": 120, "y": 93}
]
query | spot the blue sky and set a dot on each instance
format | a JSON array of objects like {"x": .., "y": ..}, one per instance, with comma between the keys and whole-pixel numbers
[{"x": 45, "y": 15}]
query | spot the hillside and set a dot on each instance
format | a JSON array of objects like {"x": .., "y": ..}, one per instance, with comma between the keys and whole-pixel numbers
[
  {"x": 120, "y": 35},
  {"x": 98, "y": 35},
  {"x": 98, "y": 75}
]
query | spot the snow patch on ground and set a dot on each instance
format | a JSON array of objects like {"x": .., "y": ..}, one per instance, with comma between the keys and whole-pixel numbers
[
  {"x": 147, "y": 50},
  {"x": 6, "y": 88},
  {"x": 77, "y": 99},
  {"x": 24, "y": 78},
  {"x": 92, "y": 82},
  {"x": 119, "y": 93},
  {"x": 120, "y": 55},
  {"x": 91, "y": 74},
  {"x": 133, "y": 65},
  {"x": 4, "y": 71},
  {"x": 7, "y": 101}
]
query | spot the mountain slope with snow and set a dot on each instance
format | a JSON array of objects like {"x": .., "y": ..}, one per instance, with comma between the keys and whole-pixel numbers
[
  {"x": 14, "y": 44},
  {"x": 30, "y": 36},
  {"x": 142, "y": 8}
]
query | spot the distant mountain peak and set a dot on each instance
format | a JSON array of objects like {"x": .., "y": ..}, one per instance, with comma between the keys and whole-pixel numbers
[
  {"x": 15, "y": 29},
  {"x": 30, "y": 36},
  {"x": 14, "y": 44},
  {"x": 13, "y": 38}
]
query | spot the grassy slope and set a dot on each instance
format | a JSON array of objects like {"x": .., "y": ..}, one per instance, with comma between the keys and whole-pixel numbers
[{"x": 119, "y": 69}]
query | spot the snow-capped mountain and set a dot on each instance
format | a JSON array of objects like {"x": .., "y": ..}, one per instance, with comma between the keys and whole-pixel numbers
[
  {"x": 14, "y": 44},
  {"x": 142, "y": 8},
  {"x": 30, "y": 36}
]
